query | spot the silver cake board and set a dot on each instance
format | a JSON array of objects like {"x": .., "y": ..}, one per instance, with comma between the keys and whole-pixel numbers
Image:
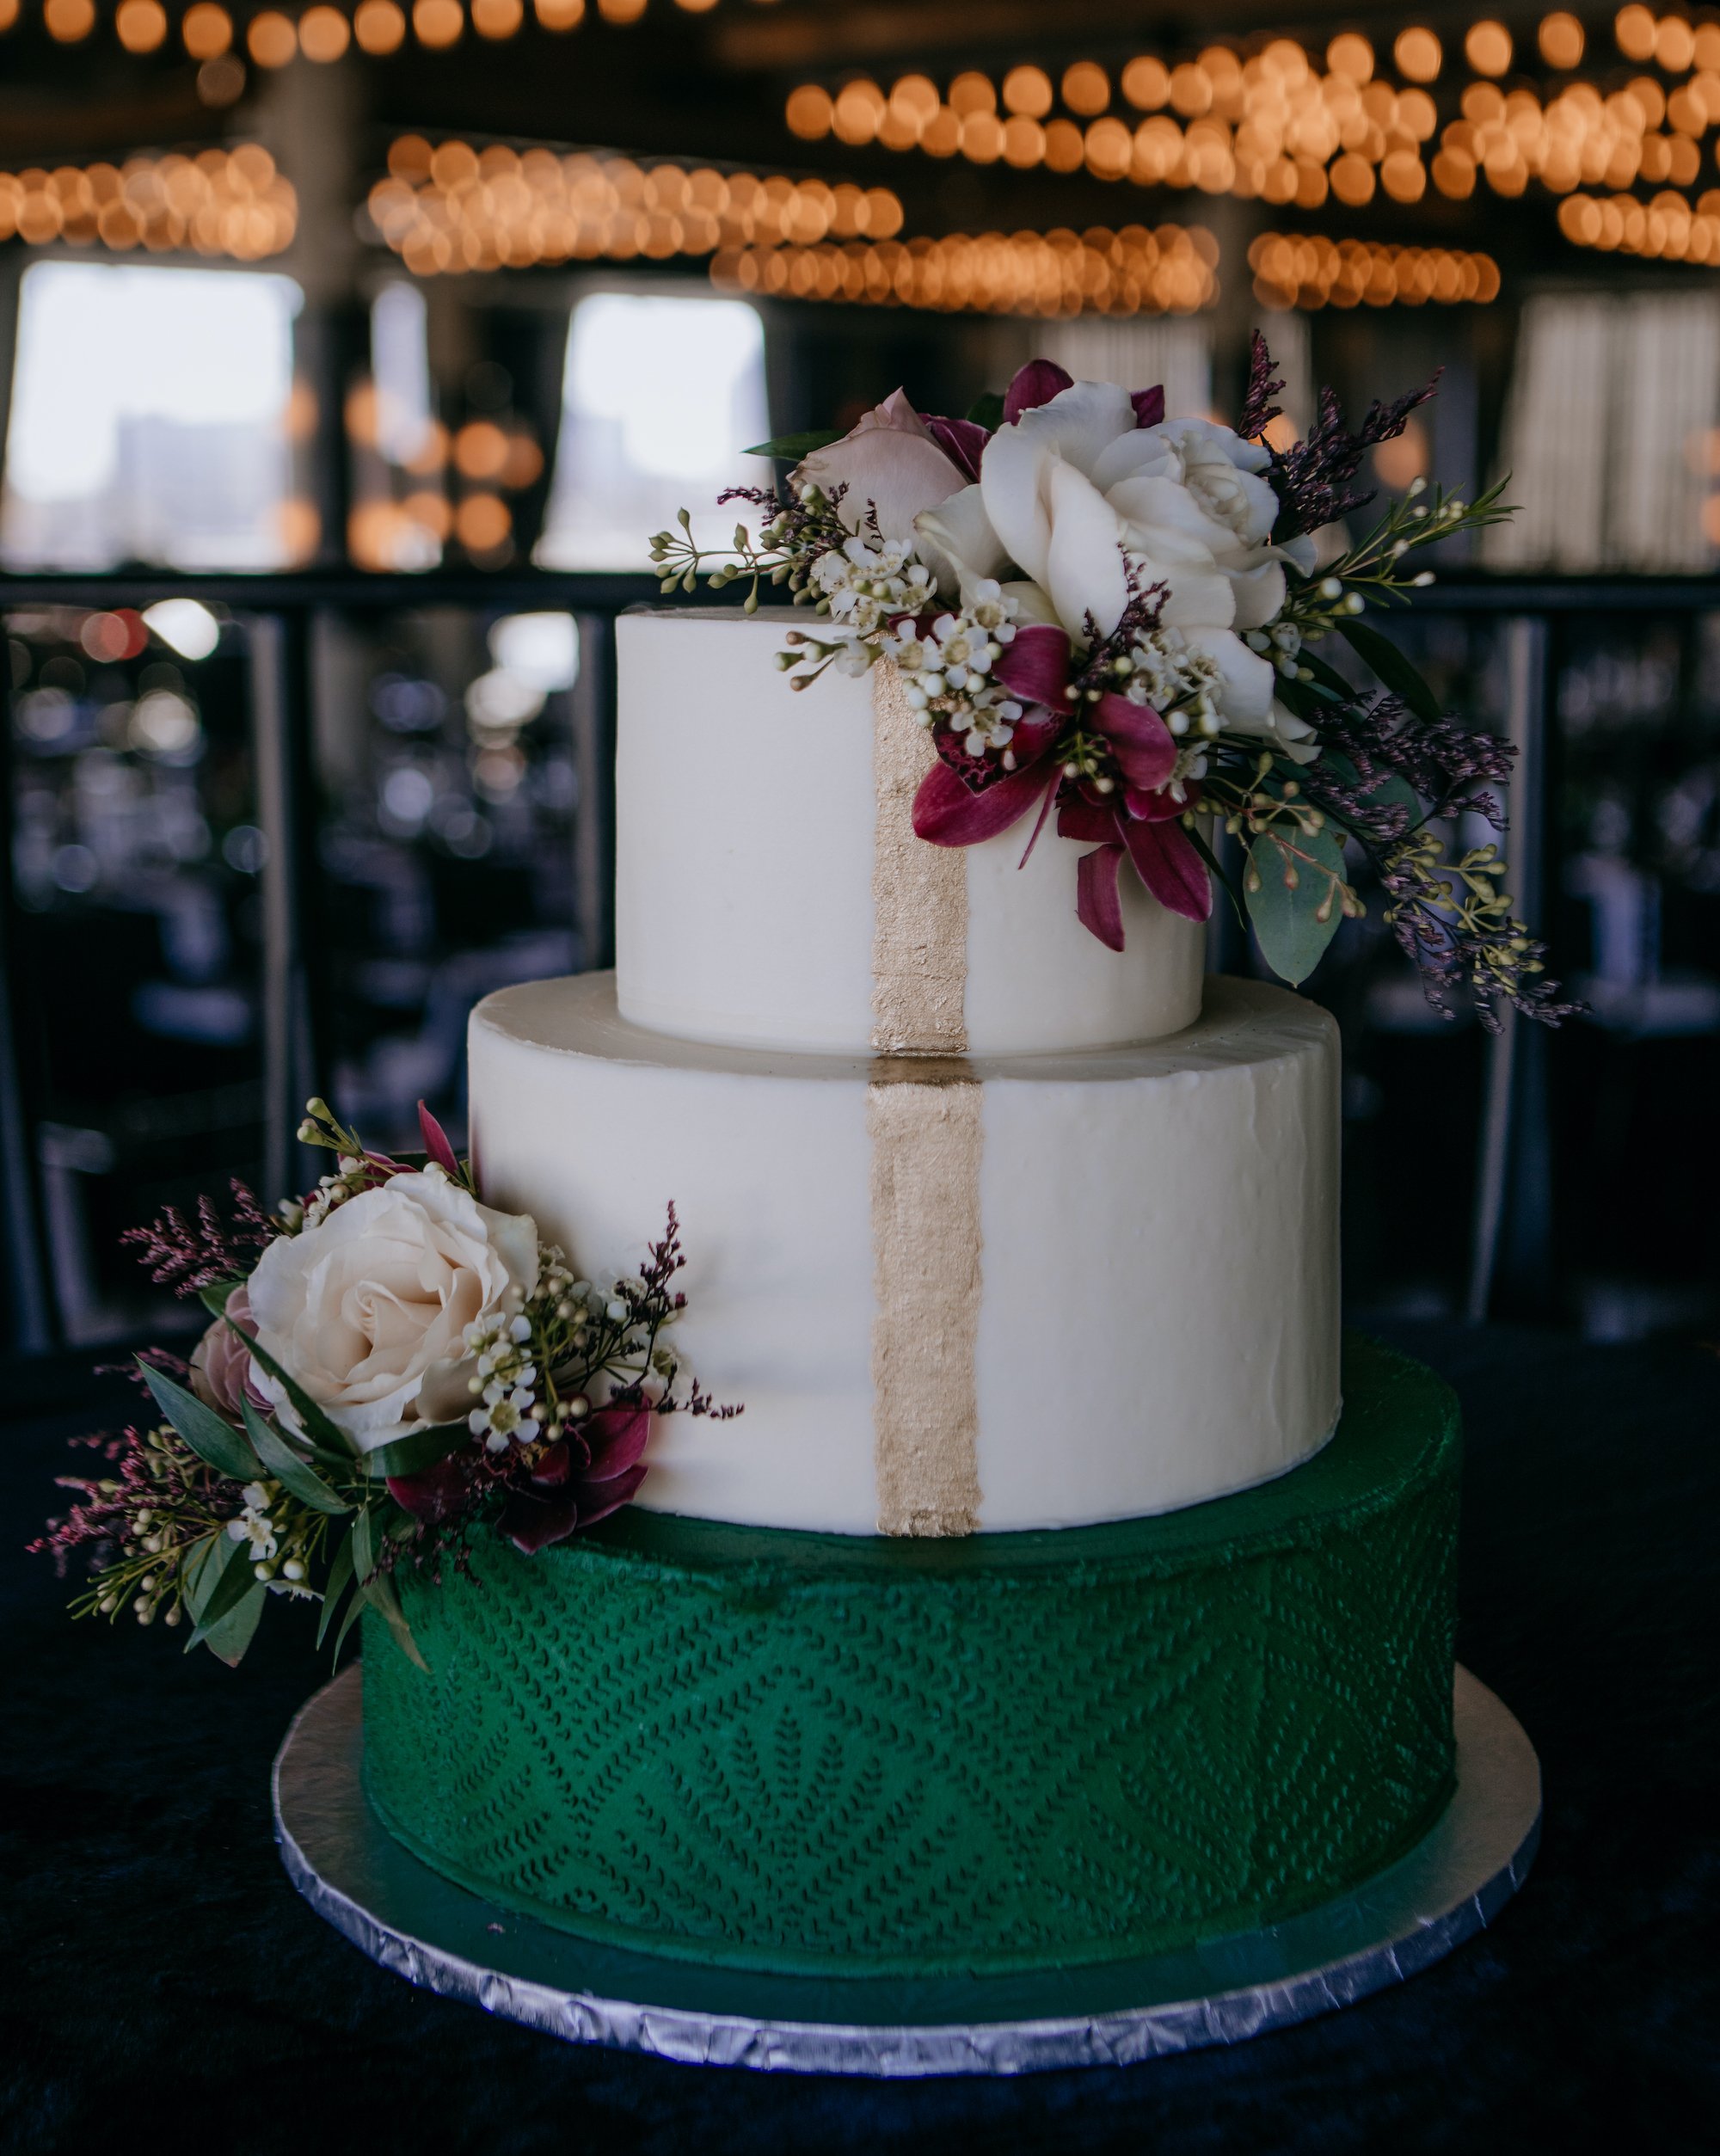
[{"x": 406, "y": 1916}]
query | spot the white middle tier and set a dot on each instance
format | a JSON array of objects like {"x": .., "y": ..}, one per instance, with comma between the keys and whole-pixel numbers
[
  {"x": 1146, "y": 1274},
  {"x": 747, "y": 867}
]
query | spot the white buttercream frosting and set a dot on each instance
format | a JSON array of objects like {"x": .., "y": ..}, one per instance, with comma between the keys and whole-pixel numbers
[
  {"x": 746, "y": 846},
  {"x": 1158, "y": 1316}
]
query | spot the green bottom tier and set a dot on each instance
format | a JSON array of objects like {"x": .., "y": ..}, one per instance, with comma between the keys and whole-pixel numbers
[{"x": 819, "y": 1754}]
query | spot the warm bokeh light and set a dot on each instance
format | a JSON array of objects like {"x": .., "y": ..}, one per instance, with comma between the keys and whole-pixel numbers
[
  {"x": 620, "y": 10},
  {"x": 217, "y": 204},
  {"x": 497, "y": 19},
  {"x": 437, "y": 23},
  {"x": 1350, "y": 54},
  {"x": 559, "y": 15},
  {"x": 379, "y": 27},
  {"x": 1086, "y": 87},
  {"x": 68, "y": 21},
  {"x": 972, "y": 93},
  {"x": 206, "y": 31},
  {"x": 1561, "y": 39},
  {"x": 323, "y": 34},
  {"x": 1418, "y": 55},
  {"x": 1146, "y": 84},
  {"x": 140, "y": 25},
  {"x": 808, "y": 113},
  {"x": 483, "y": 523},
  {"x": 1027, "y": 90},
  {"x": 1308, "y": 271},
  {"x": 1488, "y": 47},
  {"x": 1133, "y": 271},
  {"x": 449, "y": 210},
  {"x": 1633, "y": 28},
  {"x": 480, "y": 450},
  {"x": 1675, "y": 43},
  {"x": 271, "y": 39},
  {"x": 1664, "y": 229}
]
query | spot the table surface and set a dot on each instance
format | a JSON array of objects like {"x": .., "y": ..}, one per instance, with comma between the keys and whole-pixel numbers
[{"x": 163, "y": 1985}]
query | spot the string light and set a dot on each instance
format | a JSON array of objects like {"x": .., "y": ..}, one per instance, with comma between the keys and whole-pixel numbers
[
  {"x": 206, "y": 31},
  {"x": 453, "y": 208},
  {"x": 1667, "y": 228},
  {"x": 1561, "y": 40},
  {"x": 140, "y": 25},
  {"x": 1309, "y": 272},
  {"x": 233, "y": 203},
  {"x": 1172, "y": 270}
]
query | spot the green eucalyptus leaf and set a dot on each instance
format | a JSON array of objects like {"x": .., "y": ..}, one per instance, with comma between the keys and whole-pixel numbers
[
  {"x": 339, "y": 1580},
  {"x": 364, "y": 1561},
  {"x": 214, "y": 1297},
  {"x": 1383, "y": 656},
  {"x": 987, "y": 411},
  {"x": 228, "y": 1637},
  {"x": 355, "y": 1607},
  {"x": 1220, "y": 874},
  {"x": 287, "y": 1468},
  {"x": 418, "y": 1449},
  {"x": 201, "y": 1570},
  {"x": 1286, "y": 915},
  {"x": 235, "y": 1581},
  {"x": 379, "y": 1593},
  {"x": 1326, "y": 675},
  {"x": 1392, "y": 791},
  {"x": 795, "y": 445},
  {"x": 208, "y": 1434},
  {"x": 323, "y": 1434}
]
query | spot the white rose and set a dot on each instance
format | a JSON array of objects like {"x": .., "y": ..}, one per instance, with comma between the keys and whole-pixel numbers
[
  {"x": 369, "y": 1310},
  {"x": 1201, "y": 479},
  {"x": 1076, "y": 487}
]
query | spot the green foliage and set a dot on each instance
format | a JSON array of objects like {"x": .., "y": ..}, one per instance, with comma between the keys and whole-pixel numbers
[
  {"x": 795, "y": 445},
  {"x": 328, "y": 1440},
  {"x": 223, "y": 1597},
  {"x": 417, "y": 1450},
  {"x": 1295, "y": 885},
  {"x": 208, "y": 1436},
  {"x": 986, "y": 411},
  {"x": 287, "y": 1468},
  {"x": 1385, "y": 659},
  {"x": 339, "y": 1580}
]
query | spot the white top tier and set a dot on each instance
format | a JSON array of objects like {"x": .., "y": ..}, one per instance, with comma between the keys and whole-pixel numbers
[{"x": 747, "y": 840}]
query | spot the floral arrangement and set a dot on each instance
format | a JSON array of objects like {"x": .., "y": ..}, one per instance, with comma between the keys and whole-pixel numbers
[
  {"x": 392, "y": 1366},
  {"x": 1110, "y": 616}
]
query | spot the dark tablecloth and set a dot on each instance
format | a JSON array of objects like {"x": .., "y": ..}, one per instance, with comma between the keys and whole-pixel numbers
[{"x": 164, "y": 1986}]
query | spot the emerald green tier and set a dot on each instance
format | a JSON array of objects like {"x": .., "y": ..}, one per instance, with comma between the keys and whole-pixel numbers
[{"x": 849, "y": 1755}]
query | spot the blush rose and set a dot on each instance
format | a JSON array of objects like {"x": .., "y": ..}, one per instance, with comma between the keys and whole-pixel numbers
[{"x": 369, "y": 1310}]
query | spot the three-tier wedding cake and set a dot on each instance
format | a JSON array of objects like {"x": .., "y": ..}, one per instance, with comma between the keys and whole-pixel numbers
[{"x": 1042, "y": 1609}]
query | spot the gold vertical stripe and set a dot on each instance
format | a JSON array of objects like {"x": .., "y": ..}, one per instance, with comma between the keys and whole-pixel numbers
[
  {"x": 919, "y": 894},
  {"x": 924, "y": 1121}
]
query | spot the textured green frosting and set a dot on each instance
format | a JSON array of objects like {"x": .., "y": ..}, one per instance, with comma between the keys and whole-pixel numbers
[{"x": 844, "y": 1755}]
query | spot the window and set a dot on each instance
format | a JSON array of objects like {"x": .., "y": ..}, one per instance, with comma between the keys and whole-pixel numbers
[
  {"x": 149, "y": 419},
  {"x": 661, "y": 397}
]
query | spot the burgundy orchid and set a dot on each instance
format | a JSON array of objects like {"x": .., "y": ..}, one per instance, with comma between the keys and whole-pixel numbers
[
  {"x": 581, "y": 1479},
  {"x": 1041, "y": 380},
  {"x": 435, "y": 1493},
  {"x": 436, "y": 1143},
  {"x": 1139, "y": 818},
  {"x": 962, "y": 441}
]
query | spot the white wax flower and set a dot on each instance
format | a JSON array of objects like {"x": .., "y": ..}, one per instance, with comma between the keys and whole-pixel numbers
[{"x": 370, "y": 1310}]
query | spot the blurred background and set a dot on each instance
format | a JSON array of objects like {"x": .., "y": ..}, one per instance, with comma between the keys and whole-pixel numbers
[{"x": 348, "y": 353}]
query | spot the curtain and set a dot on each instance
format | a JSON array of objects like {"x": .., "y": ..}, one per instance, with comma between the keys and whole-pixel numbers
[{"x": 1609, "y": 433}]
